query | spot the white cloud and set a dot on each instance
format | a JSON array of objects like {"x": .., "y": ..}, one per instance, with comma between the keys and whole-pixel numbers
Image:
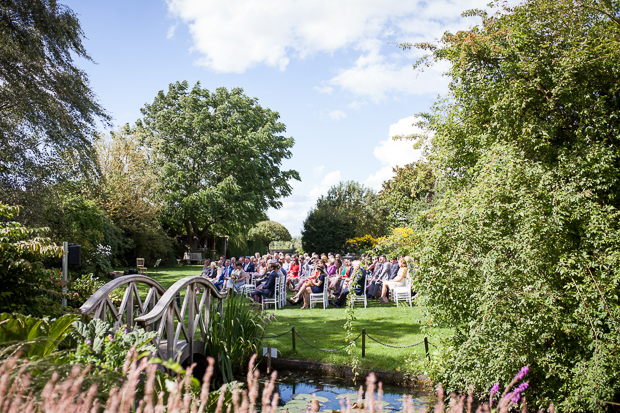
[
  {"x": 336, "y": 115},
  {"x": 393, "y": 153},
  {"x": 235, "y": 35},
  {"x": 295, "y": 207},
  {"x": 324, "y": 89},
  {"x": 171, "y": 31}
]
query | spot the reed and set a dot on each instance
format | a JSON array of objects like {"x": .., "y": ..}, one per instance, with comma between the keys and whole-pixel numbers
[{"x": 68, "y": 395}]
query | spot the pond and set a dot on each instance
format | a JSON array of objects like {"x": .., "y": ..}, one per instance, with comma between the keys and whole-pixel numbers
[{"x": 296, "y": 394}]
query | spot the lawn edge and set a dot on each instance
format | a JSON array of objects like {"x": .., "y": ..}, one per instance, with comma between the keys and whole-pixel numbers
[{"x": 343, "y": 371}]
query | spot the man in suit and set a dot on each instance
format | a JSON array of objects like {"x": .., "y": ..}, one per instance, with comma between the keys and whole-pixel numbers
[
  {"x": 394, "y": 269},
  {"x": 381, "y": 275},
  {"x": 268, "y": 288},
  {"x": 356, "y": 283},
  {"x": 248, "y": 266}
]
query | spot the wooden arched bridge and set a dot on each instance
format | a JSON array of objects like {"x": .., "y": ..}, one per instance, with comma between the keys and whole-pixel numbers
[{"x": 159, "y": 311}]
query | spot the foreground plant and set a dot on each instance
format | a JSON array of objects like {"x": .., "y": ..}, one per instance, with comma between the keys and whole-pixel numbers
[{"x": 68, "y": 396}]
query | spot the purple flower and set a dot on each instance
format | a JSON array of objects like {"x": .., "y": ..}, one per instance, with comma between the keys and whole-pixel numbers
[
  {"x": 125, "y": 331},
  {"x": 514, "y": 396},
  {"x": 522, "y": 373},
  {"x": 493, "y": 391},
  {"x": 88, "y": 342}
]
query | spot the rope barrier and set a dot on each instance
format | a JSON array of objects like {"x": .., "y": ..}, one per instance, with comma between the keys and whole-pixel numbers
[
  {"x": 389, "y": 345},
  {"x": 280, "y": 335},
  {"x": 328, "y": 351},
  {"x": 295, "y": 333}
]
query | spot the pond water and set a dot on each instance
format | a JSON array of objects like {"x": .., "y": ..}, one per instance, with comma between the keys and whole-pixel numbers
[{"x": 296, "y": 394}]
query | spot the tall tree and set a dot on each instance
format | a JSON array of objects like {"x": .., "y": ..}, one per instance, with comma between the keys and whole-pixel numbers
[
  {"x": 327, "y": 229},
  {"x": 360, "y": 203},
  {"x": 220, "y": 156},
  {"x": 48, "y": 113},
  {"x": 268, "y": 231},
  {"x": 522, "y": 256}
]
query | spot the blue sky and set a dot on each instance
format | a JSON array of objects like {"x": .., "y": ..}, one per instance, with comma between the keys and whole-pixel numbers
[{"x": 330, "y": 68}]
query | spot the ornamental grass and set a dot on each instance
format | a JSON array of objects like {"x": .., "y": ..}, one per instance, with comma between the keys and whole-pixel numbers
[{"x": 69, "y": 396}]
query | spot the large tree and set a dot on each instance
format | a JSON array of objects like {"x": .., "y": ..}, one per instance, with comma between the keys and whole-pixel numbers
[
  {"x": 219, "y": 155},
  {"x": 523, "y": 254},
  {"x": 327, "y": 229},
  {"x": 48, "y": 113},
  {"x": 360, "y": 203}
]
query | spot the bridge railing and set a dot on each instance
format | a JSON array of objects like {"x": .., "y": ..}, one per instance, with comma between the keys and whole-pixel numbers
[
  {"x": 177, "y": 327},
  {"x": 102, "y": 306}
]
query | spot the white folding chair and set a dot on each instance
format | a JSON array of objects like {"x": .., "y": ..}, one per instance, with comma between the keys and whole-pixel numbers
[
  {"x": 282, "y": 292},
  {"x": 360, "y": 298},
  {"x": 320, "y": 297},
  {"x": 276, "y": 296},
  {"x": 403, "y": 293}
]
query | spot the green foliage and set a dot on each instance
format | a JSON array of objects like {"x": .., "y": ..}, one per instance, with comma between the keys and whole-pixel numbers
[
  {"x": 234, "y": 335},
  {"x": 128, "y": 192},
  {"x": 81, "y": 289},
  {"x": 408, "y": 195},
  {"x": 100, "y": 345},
  {"x": 268, "y": 231},
  {"x": 219, "y": 156},
  {"x": 76, "y": 219},
  {"x": 48, "y": 113},
  {"x": 360, "y": 202},
  {"x": 327, "y": 229},
  {"x": 522, "y": 255},
  {"x": 26, "y": 285},
  {"x": 33, "y": 337}
]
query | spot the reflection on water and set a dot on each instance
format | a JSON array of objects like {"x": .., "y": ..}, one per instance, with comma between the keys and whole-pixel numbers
[{"x": 296, "y": 394}]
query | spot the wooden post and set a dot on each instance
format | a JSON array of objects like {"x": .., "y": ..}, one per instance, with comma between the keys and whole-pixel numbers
[
  {"x": 363, "y": 342},
  {"x": 426, "y": 348},
  {"x": 268, "y": 360},
  {"x": 293, "y": 331},
  {"x": 65, "y": 272}
]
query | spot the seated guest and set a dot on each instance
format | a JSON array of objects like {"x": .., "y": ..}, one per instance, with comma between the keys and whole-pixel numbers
[
  {"x": 224, "y": 275},
  {"x": 206, "y": 269},
  {"x": 267, "y": 289},
  {"x": 398, "y": 281},
  {"x": 248, "y": 266},
  {"x": 395, "y": 268},
  {"x": 356, "y": 283},
  {"x": 237, "y": 278},
  {"x": 312, "y": 285},
  {"x": 292, "y": 274},
  {"x": 383, "y": 271}
]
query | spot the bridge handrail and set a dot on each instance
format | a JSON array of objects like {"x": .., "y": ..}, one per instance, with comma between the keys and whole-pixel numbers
[
  {"x": 170, "y": 295},
  {"x": 95, "y": 300}
]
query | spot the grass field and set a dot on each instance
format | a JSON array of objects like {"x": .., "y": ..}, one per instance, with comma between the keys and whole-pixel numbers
[{"x": 324, "y": 329}]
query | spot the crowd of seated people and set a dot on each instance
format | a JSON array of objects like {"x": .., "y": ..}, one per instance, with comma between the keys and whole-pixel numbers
[{"x": 309, "y": 274}]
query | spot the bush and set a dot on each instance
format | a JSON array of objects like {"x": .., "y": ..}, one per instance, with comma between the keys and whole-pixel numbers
[{"x": 27, "y": 286}]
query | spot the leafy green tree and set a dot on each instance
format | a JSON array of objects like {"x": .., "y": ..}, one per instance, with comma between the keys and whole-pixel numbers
[
  {"x": 220, "y": 156},
  {"x": 522, "y": 254},
  {"x": 327, "y": 229},
  {"x": 407, "y": 194},
  {"x": 360, "y": 203},
  {"x": 268, "y": 231},
  {"x": 26, "y": 285},
  {"x": 48, "y": 113},
  {"x": 129, "y": 192}
]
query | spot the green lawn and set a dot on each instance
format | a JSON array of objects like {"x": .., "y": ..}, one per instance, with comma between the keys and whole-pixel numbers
[{"x": 324, "y": 328}]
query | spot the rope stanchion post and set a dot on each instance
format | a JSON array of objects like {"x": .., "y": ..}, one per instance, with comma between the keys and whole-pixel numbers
[
  {"x": 293, "y": 331},
  {"x": 426, "y": 348},
  {"x": 363, "y": 342}
]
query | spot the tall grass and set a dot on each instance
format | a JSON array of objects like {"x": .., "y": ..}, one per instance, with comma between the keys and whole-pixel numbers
[
  {"x": 67, "y": 396},
  {"x": 234, "y": 335}
]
